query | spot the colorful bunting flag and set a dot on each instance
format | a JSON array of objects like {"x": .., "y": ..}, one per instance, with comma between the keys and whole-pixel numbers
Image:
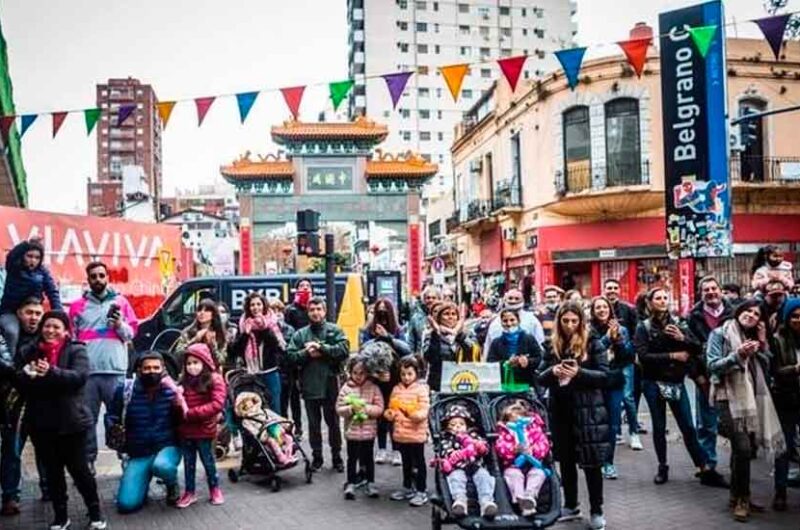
[
  {"x": 27, "y": 121},
  {"x": 5, "y": 127},
  {"x": 571, "y": 60},
  {"x": 293, "y": 97},
  {"x": 396, "y": 83},
  {"x": 773, "y": 29},
  {"x": 124, "y": 112},
  {"x": 203, "y": 104},
  {"x": 58, "y": 121},
  {"x": 702, "y": 37},
  {"x": 91, "y": 116},
  {"x": 636, "y": 52},
  {"x": 245, "y": 101},
  {"x": 511, "y": 68},
  {"x": 165, "y": 111},
  {"x": 338, "y": 91},
  {"x": 454, "y": 77}
]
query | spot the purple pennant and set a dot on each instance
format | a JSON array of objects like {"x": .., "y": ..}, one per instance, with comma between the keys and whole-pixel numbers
[
  {"x": 396, "y": 83},
  {"x": 773, "y": 28},
  {"x": 124, "y": 112}
]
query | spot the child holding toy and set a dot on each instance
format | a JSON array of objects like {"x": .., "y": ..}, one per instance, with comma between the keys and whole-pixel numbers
[
  {"x": 360, "y": 403},
  {"x": 522, "y": 446}
]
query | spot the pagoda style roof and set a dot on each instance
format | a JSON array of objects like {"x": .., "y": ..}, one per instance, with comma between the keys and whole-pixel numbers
[
  {"x": 408, "y": 165},
  {"x": 266, "y": 167},
  {"x": 360, "y": 129}
]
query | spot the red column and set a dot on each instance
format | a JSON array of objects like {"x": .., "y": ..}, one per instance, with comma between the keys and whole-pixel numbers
[
  {"x": 633, "y": 284},
  {"x": 545, "y": 271},
  {"x": 686, "y": 282},
  {"x": 595, "y": 278},
  {"x": 245, "y": 248}
]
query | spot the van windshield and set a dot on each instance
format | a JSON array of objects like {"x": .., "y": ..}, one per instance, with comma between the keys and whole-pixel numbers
[{"x": 179, "y": 312}]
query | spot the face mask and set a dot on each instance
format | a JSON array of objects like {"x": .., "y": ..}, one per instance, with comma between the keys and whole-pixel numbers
[
  {"x": 302, "y": 297},
  {"x": 194, "y": 370},
  {"x": 513, "y": 307},
  {"x": 552, "y": 307},
  {"x": 511, "y": 330},
  {"x": 150, "y": 380}
]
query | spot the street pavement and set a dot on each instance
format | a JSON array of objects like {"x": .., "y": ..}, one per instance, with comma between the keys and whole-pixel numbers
[{"x": 631, "y": 502}]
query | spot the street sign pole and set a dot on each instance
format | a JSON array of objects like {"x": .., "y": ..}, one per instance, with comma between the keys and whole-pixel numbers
[{"x": 330, "y": 278}]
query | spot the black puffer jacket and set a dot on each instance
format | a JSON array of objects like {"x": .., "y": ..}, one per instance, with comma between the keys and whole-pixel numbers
[
  {"x": 579, "y": 418},
  {"x": 697, "y": 324},
  {"x": 654, "y": 347}
]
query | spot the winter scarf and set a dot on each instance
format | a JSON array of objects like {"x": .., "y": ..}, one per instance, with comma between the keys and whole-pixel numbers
[
  {"x": 511, "y": 338},
  {"x": 52, "y": 351},
  {"x": 248, "y": 325},
  {"x": 748, "y": 396}
]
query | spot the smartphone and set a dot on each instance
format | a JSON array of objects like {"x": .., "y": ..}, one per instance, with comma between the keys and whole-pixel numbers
[
  {"x": 569, "y": 362},
  {"x": 113, "y": 312}
]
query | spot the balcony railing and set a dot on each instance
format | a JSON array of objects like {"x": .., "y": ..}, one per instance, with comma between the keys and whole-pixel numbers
[
  {"x": 451, "y": 223},
  {"x": 577, "y": 177},
  {"x": 758, "y": 169},
  {"x": 478, "y": 209},
  {"x": 507, "y": 194}
]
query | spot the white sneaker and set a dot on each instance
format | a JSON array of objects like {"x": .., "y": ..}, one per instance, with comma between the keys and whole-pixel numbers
[
  {"x": 597, "y": 522},
  {"x": 57, "y": 526},
  {"x": 527, "y": 506},
  {"x": 397, "y": 460},
  {"x": 98, "y": 525},
  {"x": 636, "y": 442},
  {"x": 419, "y": 499},
  {"x": 381, "y": 457},
  {"x": 403, "y": 495},
  {"x": 620, "y": 440},
  {"x": 488, "y": 509},
  {"x": 459, "y": 507}
]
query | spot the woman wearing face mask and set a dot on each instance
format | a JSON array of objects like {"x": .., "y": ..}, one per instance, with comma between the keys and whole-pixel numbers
[
  {"x": 445, "y": 339},
  {"x": 738, "y": 359},
  {"x": 517, "y": 349},
  {"x": 261, "y": 345},
  {"x": 207, "y": 329},
  {"x": 52, "y": 379},
  {"x": 613, "y": 338},
  {"x": 666, "y": 348}
]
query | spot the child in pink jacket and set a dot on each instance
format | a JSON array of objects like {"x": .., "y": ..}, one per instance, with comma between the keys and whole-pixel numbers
[
  {"x": 521, "y": 459},
  {"x": 360, "y": 403}
]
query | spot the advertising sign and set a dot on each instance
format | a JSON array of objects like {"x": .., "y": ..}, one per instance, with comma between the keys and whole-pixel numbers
[
  {"x": 696, "y": 172},
  {"x": 458, "y": 378}
]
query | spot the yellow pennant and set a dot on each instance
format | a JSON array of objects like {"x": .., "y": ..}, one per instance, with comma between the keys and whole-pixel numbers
[
  {"x": 165, "y": 111},
  {"x": 454, "y": 77}
]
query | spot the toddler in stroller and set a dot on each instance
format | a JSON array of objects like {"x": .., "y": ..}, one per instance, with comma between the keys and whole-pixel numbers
[{"x": 266, "y": 426}]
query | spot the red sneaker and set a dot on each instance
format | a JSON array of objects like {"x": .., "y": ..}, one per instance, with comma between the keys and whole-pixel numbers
[
  {"x": 216, "y": 496},
  {"x": 187, "y": 499}
]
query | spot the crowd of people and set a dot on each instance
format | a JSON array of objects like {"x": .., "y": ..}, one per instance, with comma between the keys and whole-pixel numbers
[{"x": 590, "y": 361}]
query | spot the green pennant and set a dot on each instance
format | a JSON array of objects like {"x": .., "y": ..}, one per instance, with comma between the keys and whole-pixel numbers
[
  {"x": 91, "y": 116},
  {"x": 339, "y": 91},
  {"x": 702, "y": 37}
]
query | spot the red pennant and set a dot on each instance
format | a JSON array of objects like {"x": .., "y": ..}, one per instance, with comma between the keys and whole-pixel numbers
[
  {"x": 512, "y": 67},
  {"x": 636, "y": 52},
  {"x": 58, "y": 120},
  {"x": 5, "y": 127},
  {"x": 203, "y": 104},
  {"x": 293, "y": 96}
]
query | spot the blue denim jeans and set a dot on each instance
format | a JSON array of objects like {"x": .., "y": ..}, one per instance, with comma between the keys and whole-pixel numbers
[
  {"x": 273, "y": 381},
  {"x": 682, "y": 411},
  {"x": 99, "y": 389},
  {"x": 205, "y": 448},
  {"x": 789, "y": 426},
  {"x": 11, "y": 445},
  {"x": 139, "y": 471},
  {"x": 614, "y": 406},
  {"x": 629, "y": 404},
  {"x": 707, "y": 423}
]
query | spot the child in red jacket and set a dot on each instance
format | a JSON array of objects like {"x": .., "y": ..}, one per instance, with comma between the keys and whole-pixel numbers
[{"x": 204, "y": 391}]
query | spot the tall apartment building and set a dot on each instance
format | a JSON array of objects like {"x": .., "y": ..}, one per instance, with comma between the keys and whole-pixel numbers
[
  {"x": 136, "y": 143},
  {"x": 406, "y": 35}
]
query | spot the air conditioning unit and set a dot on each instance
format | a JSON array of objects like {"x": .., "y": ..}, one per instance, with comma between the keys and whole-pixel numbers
[{"x": 510, "y": 234}]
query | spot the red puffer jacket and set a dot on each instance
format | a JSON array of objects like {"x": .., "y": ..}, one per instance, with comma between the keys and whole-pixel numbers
[{"x": 204, "y": 408}]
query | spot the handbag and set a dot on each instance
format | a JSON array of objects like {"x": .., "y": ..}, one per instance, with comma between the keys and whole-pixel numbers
[
  {"x": 509, "y": 380},
  {"x": 669, "y": 391},
  {"x": 115, "y": 434}
]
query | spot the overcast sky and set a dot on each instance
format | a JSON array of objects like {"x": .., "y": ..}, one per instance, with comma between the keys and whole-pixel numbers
[{"x": 59, "y": 49}]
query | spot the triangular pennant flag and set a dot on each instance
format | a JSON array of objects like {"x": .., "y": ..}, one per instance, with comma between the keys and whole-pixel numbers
[
  {"x": 454, "y": 77},
  {"x": 702, "y": 37},
  {"x": 338, "y": 91},
  {"x": 58, "y": 120},
  {"x": 124, "y": 112},
  {"x": 636, "y": 52},
  {"x": 203, "y": 104},
  {"x": 5, "y": 127},
  {"x": 396, "y": 83},
  {"x": 773, "y": 28},
  {"x": 571, "y": 63},
  {"x": 27, "y": 121},
  {"x": 245, "y": 101},
  {"x": 165, "y": 111},
  {"x": 91, "y": 116},
  {"x": 293, "y": 97},
  {"x": 511, "y": 68}
]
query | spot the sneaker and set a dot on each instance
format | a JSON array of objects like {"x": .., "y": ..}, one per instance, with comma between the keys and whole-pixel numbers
[
  {"x": 350, "y": 492},
  {"x": 60, "y": 526},
  {"x": 381, "y": 457},
  {"x": 711, "y": 478},
  {"x": 636, "y": 442},
  {"x": 397, "y": 460},
  {"x": 317, "y": 463},
  {"x": 459, "y": 508},
  {"x": 98, "y": 525},
  {"x": 662, "y": 476},
  {"x": 187, "y": 499},
  {"x": 488, "y": 509},
  {"x": 10, "y": 508},
  {"x": 569, "y": 514},
  {"x": 420, "y": 498},
  {"x": 402, "y": 495},
  {"x": 597, "y": 521},
  {"x": 372, "y": 490},
  {"x": 527, "y": 506},
  {"x": 216, "y": 496},
  {"x": 642, "y": 430},
  {"x": 609, "y": 472},
  {"x": 741, "y": 512}
]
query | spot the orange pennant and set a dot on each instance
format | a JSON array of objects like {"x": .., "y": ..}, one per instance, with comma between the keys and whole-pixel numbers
[
  {"x": 165, "y": 111},
  {"x": 454, "y": 77}
]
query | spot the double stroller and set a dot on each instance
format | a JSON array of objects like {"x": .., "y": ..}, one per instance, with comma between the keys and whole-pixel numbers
[
  {"x": 486, "y": 408},
  {"x": 258, "y": 458}
]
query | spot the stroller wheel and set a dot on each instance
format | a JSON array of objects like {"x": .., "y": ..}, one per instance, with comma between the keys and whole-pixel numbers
[
  {"x": 233, "y": 476},
  {"x": 220, "y": 452},
  {"x": 276, "y": 484},
  {"x": 309, "y": 473},
  {"x": 436, "y": 518}
]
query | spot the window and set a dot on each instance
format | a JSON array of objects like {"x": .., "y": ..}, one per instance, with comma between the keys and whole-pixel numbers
[
  {"x": 577, "y": 149},
  {"x": 424, "y": 114},
  {"x": 524, "y": 12},
  {"x": 402, "y": 25},
  {"x": 405, "y": 113},
  {"x": 440, "y": 136},
  {"x": 752, "y": 141},
  {"x": 423, "y": 92},
  {"x": 484, "y": 31},
  {"x": 463, "y": 8},
  {"x": 436, "y": 29},
  {"x": 402, "y": 4},
  {"x": 516, "y": 167},
  {"x": 406, "y": 135},
  {"x": 439, "y": 114},
  {"x": 483, "y": 11},
  {"x": 422, "y": 27},
  {"x": 422, "y": 70},
  {"x": 505, "y": 11},
  {"x": 623, "y": 161},
  {"x": 539, "y": 53},
  {"x": 421, "y": 6},
  {"x": 422, "y": 48},
  {"x": 539, "y": 33},
  {"x": 436, "y": 48},
  {"x": 524, "y": 32},
  {"x": 463, "y": 30},
  {"x": 425, "y": 156},
  {"x": 436, "y": 6},
  {"x": 505, "y": 52},
  {"x": 438, "y": 92},
  {"x": 485, "y": 53},
  {"x": 486, "y": 73},
  {"x": 403, "y": 47},
  {"x": 505, "y": 32},
  {"x": 424, "y": 136},
  {"x": 466, "y": 51},
  {"x": 466, "y": 93}
]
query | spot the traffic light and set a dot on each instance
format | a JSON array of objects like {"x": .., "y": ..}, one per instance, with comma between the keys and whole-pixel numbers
[
  {"x": 308, "y": 243},
  {"x": 748, "y": 129},
  {"x": 307, "y": 221}
]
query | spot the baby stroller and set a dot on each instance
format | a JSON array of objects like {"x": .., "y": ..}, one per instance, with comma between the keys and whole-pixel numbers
[
  {"x": 485, "y": 408},
  {"x": 258, "y": 459}
]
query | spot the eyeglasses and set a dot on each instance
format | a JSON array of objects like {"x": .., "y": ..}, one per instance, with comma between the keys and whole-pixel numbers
[{"x": 97, "y": 276}]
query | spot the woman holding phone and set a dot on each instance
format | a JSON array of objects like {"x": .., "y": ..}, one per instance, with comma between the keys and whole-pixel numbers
[
  {"x": 666, "y": 350},
  {"x": 576, "y": 371}
]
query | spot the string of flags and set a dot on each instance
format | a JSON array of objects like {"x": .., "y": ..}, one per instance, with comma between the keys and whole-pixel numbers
[{"x": 635, "y": 51}]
